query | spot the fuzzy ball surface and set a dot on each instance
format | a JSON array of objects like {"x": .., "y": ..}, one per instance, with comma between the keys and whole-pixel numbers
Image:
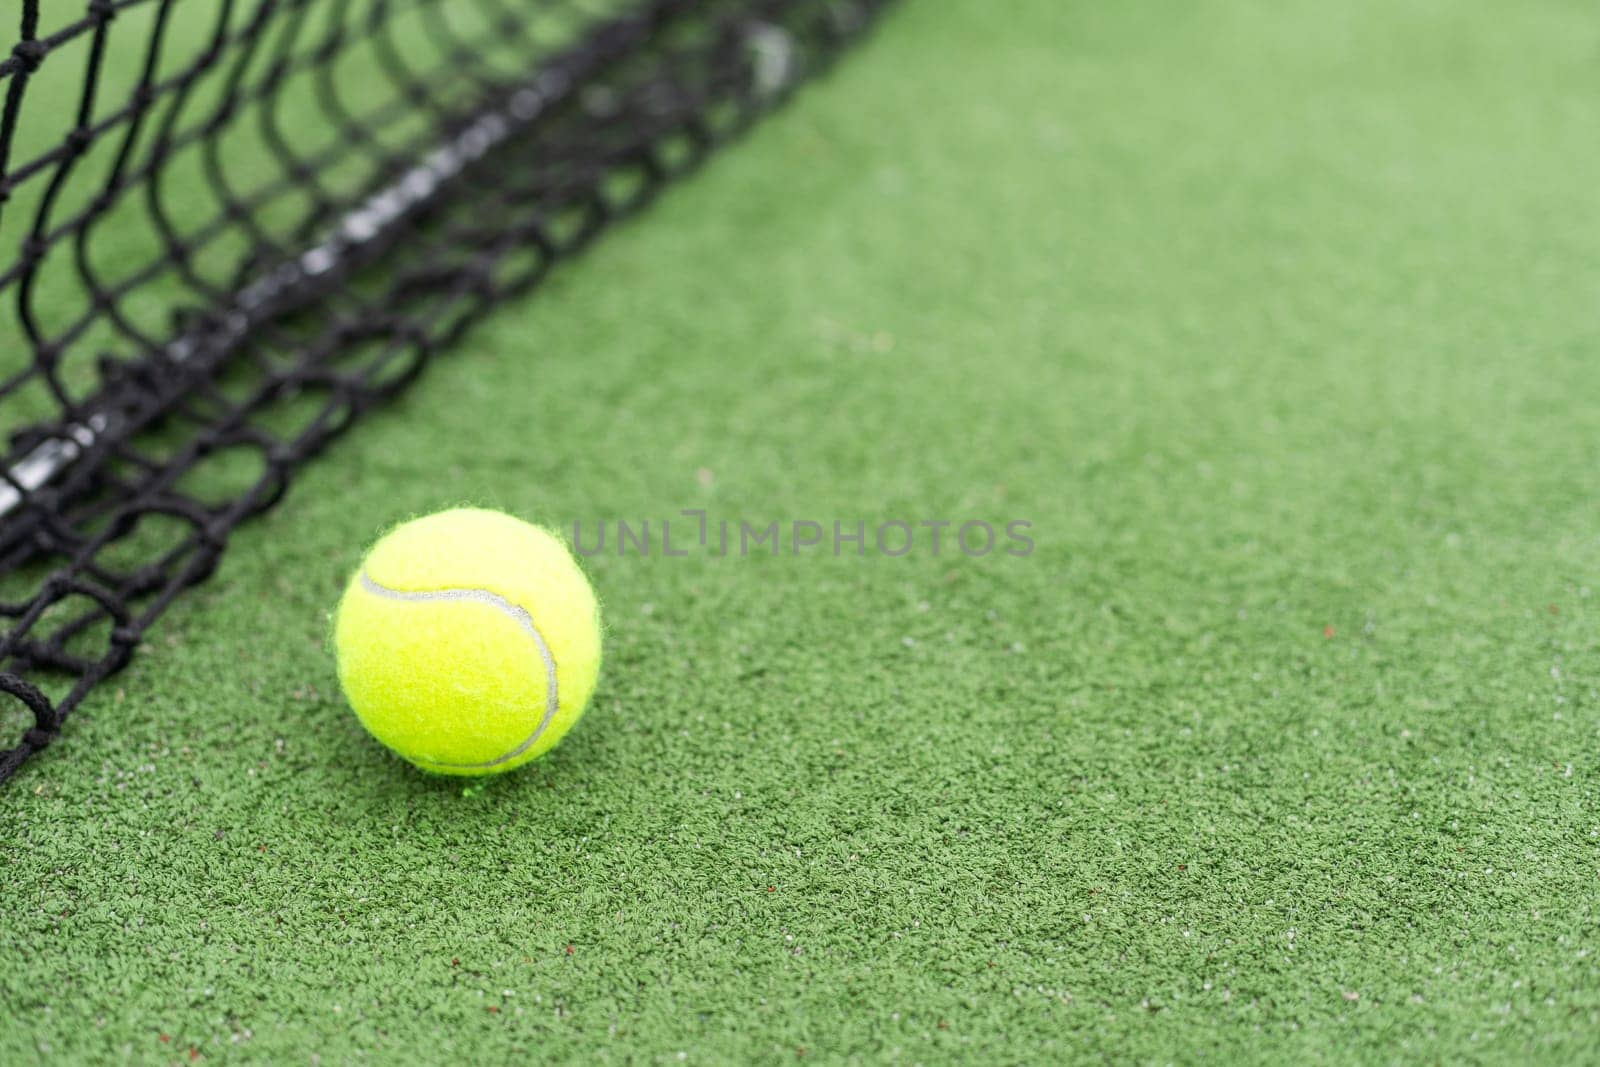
[{"x": 468, "y": 641}]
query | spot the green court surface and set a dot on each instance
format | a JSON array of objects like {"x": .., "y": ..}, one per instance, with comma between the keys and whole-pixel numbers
[{"x": 1278, "y": 322}]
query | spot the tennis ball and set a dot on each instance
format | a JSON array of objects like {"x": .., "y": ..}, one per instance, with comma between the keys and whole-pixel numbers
[{"x": 468, "y": 641}]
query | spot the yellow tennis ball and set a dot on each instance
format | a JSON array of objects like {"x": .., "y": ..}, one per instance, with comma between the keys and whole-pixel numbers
[{"x": 468, "y": 641}]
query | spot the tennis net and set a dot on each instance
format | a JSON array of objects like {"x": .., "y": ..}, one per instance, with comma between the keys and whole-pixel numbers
[{"x": 229, "y": 230}]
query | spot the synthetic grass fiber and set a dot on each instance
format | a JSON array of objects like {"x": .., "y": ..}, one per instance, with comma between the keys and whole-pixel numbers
[{"x": 1279, "y": 323}]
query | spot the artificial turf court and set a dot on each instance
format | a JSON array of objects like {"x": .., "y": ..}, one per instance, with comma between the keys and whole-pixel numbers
[{"x": 1278, "y": 323}]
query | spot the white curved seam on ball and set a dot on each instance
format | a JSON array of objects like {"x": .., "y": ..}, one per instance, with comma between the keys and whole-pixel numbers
[{"x": 520, "y": 616}]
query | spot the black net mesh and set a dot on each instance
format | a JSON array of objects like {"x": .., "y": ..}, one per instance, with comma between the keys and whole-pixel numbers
[{"x": 226, "y": 233}]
